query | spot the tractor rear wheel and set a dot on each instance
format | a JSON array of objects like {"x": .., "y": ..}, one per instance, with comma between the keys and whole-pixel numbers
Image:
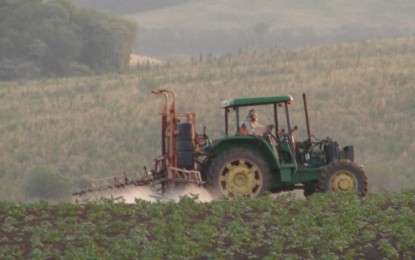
[
  {"x": 238, "y": 172},
  {"x": 343, "y": 176}
]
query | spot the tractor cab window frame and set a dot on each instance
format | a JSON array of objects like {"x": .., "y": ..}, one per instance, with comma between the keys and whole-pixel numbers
[
  {"x": 226, "y": 121},
  {"x": 229, "y": 106},
  {"x": 287, "y": 113}
]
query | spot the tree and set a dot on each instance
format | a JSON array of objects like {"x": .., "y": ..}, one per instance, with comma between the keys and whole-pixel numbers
[
  {"x": 261, "y": 28},
  {"x": 55, "y": 38},
  {"x": 109, "y": 41}
]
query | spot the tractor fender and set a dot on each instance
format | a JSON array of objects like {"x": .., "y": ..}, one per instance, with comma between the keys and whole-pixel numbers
[{"x": 262, "y": 147}]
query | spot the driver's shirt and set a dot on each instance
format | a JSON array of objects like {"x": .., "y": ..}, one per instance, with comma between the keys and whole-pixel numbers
[{"x": 253, "y": 128}]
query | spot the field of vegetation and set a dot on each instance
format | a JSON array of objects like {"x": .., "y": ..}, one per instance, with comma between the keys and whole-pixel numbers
[
  {"x": 329, "y": 226},
  {"x": 55, "y": 133},
  {"x": 188, "y": 28}
]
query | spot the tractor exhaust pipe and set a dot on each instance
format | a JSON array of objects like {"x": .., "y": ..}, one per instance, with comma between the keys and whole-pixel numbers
[{"x": 307, "y": 120}]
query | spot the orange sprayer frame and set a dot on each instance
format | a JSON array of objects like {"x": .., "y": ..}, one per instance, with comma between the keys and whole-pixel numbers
[
  {"x": 166, "y": 163},
  {"x": 169, "y": 118}
]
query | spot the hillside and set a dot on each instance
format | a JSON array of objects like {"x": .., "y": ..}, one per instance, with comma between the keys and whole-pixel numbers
[
  {"x": 127, "y": 6},
  {"x": 219, "y": 26},
  {"x": 361, "y": 94},
  {"x": 187, "y": 28}
]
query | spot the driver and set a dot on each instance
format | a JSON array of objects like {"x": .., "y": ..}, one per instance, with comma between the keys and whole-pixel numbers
[{"x": 251, "y": 126}]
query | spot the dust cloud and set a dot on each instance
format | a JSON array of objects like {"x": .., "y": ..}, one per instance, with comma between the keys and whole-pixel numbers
[
  {"x": 189, "y": 190},
  {"x": 130, "y": 194}
]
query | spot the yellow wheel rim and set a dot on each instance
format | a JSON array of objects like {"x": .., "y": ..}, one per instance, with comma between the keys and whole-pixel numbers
[
  {"x": 343, "y": 181},
  {"x": 239, "y": 178}
]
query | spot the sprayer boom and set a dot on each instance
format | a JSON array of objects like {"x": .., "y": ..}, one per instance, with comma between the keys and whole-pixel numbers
[{"x": 116, "y": 182}]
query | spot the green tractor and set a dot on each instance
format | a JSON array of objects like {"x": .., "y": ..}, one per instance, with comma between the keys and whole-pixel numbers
[
  {"x": 251, "y": 165},
  {"x": 243, "y": 164}
]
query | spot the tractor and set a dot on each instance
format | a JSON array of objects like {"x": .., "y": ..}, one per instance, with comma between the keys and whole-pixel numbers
[{"x": 246, "y": 165}]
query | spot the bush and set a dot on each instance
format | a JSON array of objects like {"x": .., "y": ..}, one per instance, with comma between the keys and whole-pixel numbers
[
  {"x": 83, "y": 183},
  {"x": 13, "y": 69},
  {"x": 46, "y": 183},
  {"x": 77, "y": 69}
]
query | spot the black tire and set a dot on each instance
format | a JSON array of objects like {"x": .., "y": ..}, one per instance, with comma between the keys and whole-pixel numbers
[
  {"x": 310, "y": 189},
  {"x": 343, "y": 175},
  {"x": 184, "y": 145},
  {"x": 238, "y": 172},
  {"x": 185, "y": 131},
  {"x": 185, "y": 160},
  {"x": 185, "y": 155}
]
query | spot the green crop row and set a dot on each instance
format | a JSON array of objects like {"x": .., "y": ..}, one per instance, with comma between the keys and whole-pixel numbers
[{"x": 329, "y": 226}]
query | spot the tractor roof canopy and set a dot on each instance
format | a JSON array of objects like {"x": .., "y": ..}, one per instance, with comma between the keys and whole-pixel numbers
[{"x": 238, "y": 102}]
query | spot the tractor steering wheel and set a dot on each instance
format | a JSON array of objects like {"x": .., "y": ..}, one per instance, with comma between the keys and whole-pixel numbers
[{"x": 269, "y": 135}]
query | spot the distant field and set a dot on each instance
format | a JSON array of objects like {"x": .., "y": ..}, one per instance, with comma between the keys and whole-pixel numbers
[
  {"x": 361, "y": 94},
  {"x": 322, "y": 14},
  {"x": 221, "y": 26}
]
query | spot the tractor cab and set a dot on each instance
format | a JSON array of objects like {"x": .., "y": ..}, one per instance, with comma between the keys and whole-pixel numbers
[{"x": 278, "y": 137}]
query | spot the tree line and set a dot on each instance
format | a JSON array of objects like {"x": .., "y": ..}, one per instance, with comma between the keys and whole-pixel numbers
[
  {"x": 55, "y": 38},
  {"x": 127, "y": 6}
]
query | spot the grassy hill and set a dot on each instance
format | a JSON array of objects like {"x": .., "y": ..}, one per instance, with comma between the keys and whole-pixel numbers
[
  {"x": 219, "y": 26},
  {"x": 361, "y": 94},
  {"x": 186, "y": 28},
  {"x": 322, "y": 14}
]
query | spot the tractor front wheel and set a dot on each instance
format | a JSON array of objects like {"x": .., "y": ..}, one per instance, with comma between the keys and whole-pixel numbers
[
  {"x": 238, "y": 172},
  {"x": 343, "y": 176}
]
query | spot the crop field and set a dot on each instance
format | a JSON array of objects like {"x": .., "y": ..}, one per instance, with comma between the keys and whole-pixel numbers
[{"x": 329, "y": 226}]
